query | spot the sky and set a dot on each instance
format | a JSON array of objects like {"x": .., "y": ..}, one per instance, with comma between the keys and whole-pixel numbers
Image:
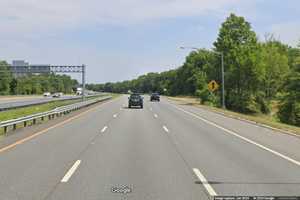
[{"x": 122, "y": 39}]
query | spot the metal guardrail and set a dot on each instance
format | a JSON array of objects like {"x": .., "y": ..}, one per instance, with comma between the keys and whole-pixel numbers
[
  {"x": 15, "y": 105},
  {"x": 50, "y": 114}
]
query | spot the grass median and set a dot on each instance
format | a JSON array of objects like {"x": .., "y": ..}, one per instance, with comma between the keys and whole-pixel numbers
[
  {"x": 268, "y": 120},
  {"x": 22, "y": 112}
]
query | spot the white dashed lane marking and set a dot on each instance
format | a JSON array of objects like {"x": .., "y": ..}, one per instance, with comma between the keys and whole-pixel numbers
[
  {"x": 204, "y": 182},
  {"x": 104, "y": 129},
  {"x": 166, "y": 129},
  {"x": 71, "y": 171}
]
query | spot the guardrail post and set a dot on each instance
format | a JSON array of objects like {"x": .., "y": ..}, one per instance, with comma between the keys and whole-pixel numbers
[{"x": 26, "y": 121}]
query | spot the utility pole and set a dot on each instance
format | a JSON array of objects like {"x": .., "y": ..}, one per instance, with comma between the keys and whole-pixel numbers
[
  {"x": 83, "y": 82},
  {"x": 223, "y": 81}
]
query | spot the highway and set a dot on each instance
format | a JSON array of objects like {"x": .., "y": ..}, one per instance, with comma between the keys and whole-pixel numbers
[
  {"x": 8, "y": 103},
  {"x": 166, "y": 151}
]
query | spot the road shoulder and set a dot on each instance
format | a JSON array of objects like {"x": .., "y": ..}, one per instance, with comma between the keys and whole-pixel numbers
[{"x": 278, "y": 127}]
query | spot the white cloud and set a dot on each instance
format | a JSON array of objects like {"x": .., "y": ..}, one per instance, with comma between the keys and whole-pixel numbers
[
  {"x": 46, "y": 15},
  {"x": 31, "y": 30}
]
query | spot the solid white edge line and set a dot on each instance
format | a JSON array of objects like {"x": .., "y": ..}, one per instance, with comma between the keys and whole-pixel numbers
[
  {"x": 204, "y": 182},
  {"x": 242, "y": 137},
  {"x": 71, "y": 172},
  {"x": 104, "y": 129},
  {"x": 166, "y": 129}
]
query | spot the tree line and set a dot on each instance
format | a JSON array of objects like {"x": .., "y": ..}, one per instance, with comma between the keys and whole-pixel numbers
[
  {"x": 32, "y": 83},
  {"x": 257, "y": 73}
]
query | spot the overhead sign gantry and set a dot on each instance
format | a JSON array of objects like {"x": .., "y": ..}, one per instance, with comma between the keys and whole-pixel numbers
[{"x": 42, "y": 69}]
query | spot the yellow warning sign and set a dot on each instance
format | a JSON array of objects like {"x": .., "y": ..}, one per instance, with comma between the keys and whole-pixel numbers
[{"x": 213, "y": 86}]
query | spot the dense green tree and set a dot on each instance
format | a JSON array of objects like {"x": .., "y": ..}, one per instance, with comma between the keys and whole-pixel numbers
[
  {"x": 37, "y": 84},
  {"x": 256, "y": 73},
  {"x": 13, "y": 86},
  {"x": 289, "y": 110},
  {"x": 244, "y": 72},
  {"x": 293, "y": 54},
  {"x": 5, "y": 78},
  {"x": 276, "y": 67}
]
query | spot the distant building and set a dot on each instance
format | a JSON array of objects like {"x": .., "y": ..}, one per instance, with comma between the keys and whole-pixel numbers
[
  {"x": 19, "y": 63},
  {"x": 21, "y": 68}
]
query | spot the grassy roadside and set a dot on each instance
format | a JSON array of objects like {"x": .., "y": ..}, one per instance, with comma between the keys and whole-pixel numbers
[
  {"x": 21, "y": 112},
  {"x": 269, "y": 120}
]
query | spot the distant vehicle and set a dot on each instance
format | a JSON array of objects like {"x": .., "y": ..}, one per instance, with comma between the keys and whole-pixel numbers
[
  {"x": 57, "y": 95},
  {"x": 79, "y": 91},
  {"x": 47, "y": 94},
  {"x": 135, "y": 100},
  {"x": 154, "y": 97}
]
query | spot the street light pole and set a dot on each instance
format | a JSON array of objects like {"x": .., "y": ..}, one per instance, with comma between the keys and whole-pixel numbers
[
  {"x": 223, "y": 81},
  {"x": 222, "y": 69},
  {"x": 83, "y": 82}
]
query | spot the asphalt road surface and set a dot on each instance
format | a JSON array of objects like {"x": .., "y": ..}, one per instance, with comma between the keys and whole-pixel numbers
[
  {"x": 165, "y": 151},
  {"x": 8, "y": 103}
]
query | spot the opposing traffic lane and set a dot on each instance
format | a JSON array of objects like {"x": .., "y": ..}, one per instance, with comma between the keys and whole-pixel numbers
[
  {"x": 9, "y": 103},
  {"x": 6, "y": 99},
  {"x": 231, "y": 165}
]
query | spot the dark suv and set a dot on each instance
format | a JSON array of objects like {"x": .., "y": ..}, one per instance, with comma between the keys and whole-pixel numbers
[
  {"x": 154, "y": 97},
  {"x": 135, "y": 100}
]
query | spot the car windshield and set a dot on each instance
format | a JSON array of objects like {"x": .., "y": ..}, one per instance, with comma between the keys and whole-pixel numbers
[
  {"x": 135, "y": 96},
  {"x": 150, "y": 100}
]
